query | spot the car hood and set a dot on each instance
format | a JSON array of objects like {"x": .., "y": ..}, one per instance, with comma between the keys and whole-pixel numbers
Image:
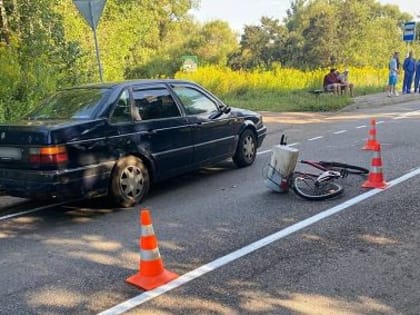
[{"x": 239, "y": 112}]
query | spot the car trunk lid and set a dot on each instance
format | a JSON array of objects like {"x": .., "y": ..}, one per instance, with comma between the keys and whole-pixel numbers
[{"x": 27, "y": 145}]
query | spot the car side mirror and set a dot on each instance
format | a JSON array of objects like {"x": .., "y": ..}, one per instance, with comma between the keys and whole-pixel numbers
[
  {"x": 215, "y": 115},
  {"x": 224, "y": 109}
]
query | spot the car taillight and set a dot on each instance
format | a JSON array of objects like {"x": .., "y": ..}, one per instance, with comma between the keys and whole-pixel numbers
[{"x": 48, "y": 155}]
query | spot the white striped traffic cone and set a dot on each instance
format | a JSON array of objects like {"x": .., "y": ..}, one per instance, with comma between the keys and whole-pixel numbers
[
  {"x": 371, "y": 143},
  {"x": 376, "y": 177},
  {"x": 151, "y": 271}
]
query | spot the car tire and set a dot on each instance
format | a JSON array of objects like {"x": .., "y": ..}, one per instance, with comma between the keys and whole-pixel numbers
[
  {"x": 246, "y": 151},
  {"x": 130, "y": 182}
]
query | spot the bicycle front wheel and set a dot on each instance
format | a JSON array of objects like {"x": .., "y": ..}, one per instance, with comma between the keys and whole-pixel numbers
[
  {"x": 306, "y": 186},
  {"x": 351, "y": 169}
]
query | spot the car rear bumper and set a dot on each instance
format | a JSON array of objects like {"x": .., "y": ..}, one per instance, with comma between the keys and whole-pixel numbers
[{"x": 81, "y": 182}]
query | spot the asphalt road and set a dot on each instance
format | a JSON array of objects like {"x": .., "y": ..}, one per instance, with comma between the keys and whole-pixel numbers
[{"x": 74, "y": 258}]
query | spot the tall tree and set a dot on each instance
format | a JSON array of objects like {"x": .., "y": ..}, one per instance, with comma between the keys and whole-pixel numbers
[
  {"x": 321, "y": 45},
  {"x": 4, "y": 24},
  {"x": 41, "y": 57},
  {"x": 350, "y": 32},
  {"x": 260, "y": 45},
  {"x": 131, "y": 33},
  {"x": 213, "y": 42}
]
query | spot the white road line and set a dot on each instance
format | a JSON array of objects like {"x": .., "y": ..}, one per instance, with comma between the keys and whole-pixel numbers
[
  {"x": 196, "y": 273},
  {"x": 362, "y": 126},
  {"x": 407, "y": 115},
  {"x": 293, "y": 144},
  {"x": 340, "y": 132},
  {"x": 264, "y": 152},
  {"x": 18, "y": 214},
  {"x": 379, "y": 122},
  {"x": 316, "y": 138}
]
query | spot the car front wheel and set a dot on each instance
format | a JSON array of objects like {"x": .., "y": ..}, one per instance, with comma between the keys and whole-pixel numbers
[
  {"x": 130, "y": 181},
  {"x": 246, "y": 150}
]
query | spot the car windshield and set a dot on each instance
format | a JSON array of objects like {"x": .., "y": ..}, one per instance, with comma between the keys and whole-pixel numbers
[{"x": 77, "y": 103}]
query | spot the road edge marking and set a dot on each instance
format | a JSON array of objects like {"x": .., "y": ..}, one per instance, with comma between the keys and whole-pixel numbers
[
  {"x": 18, "y": 214},
  {"x": 315, "y": 138}
]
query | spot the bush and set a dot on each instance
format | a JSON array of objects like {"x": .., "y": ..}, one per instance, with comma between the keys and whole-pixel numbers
[{"x": 282, "y": 89}]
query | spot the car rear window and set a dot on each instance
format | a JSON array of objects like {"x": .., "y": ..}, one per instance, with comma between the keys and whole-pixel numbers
[{"x": 69, "y": 104}]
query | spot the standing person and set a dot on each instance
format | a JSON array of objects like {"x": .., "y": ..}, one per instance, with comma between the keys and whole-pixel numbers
[
  {"x": 417, "y": 77},
  {"x": 393, "y": 75},
  {"x": 409, "y": 67}
]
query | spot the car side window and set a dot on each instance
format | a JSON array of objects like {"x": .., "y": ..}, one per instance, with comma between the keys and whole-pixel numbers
[
  {"x": 122, "y": 112},
  {"x": 154, "y": 103},
  {"x": 195, "y": 102}
]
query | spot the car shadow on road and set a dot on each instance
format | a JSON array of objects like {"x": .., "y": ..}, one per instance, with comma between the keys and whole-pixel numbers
[
  {"x": 189, "y": 179},
  {"x": 55, "y": 212}
]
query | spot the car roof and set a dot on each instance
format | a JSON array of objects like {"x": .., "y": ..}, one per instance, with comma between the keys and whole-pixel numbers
[{"x": 122, "y": 84}]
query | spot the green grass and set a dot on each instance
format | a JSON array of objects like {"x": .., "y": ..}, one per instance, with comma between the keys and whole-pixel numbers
[{"x": 298, "y": 100}]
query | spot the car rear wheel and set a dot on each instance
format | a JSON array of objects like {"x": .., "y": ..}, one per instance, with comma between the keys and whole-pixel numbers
[
  {"x": 246, "y": 150},
  {"x": 130, "y": 182}
]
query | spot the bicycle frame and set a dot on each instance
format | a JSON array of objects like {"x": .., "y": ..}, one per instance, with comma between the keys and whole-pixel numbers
[{"x": 326, "y": 174}]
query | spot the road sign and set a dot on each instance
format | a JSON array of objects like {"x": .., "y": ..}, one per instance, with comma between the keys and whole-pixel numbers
[
  {"x": 189, "y": 63},
  {"x": 91, "y": 10},
  {"x": 409, "y": 32}
]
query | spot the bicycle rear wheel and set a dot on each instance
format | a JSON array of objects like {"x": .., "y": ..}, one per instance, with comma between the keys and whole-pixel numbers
[
  {"x": 306, "y": 186},
  {"x": 351, "y": 169}
]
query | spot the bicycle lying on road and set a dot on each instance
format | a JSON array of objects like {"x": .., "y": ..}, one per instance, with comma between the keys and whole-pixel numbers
[
  {"x": 309, "y": 185},
  {"x": 322, "y": 186}
]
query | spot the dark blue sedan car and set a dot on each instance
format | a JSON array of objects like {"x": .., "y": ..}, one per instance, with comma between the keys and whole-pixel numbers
[{"x": 117, "y": 138}]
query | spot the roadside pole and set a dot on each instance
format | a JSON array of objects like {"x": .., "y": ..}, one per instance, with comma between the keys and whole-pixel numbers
[
  {"x": 98, "y": 56},
  {"x": 92, "y": 10}
]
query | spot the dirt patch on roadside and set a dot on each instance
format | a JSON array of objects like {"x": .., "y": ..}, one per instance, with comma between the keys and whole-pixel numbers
[{"x": 294, "y": 117}]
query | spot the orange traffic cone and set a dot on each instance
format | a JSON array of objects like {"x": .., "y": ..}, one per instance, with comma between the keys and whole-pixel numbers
[
  {"x": 371, "y": 143},
  {"x": 376, "y": 177},
  {"x": 151, "y": 272}
]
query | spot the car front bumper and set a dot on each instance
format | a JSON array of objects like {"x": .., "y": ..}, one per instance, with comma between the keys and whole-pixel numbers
[{"x": 261, "y": 133}]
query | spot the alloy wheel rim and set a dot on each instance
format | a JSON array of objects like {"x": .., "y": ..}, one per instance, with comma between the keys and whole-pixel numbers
[
  {"x": 249, "y": 148},
  {"x": 132, "y": 182}
]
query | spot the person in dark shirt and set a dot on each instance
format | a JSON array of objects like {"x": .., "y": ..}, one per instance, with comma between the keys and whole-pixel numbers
[
  {"x": 332, "y": 83},
  {"x": 409, "y": 68},
  {"x": 417, "y": 77}
]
